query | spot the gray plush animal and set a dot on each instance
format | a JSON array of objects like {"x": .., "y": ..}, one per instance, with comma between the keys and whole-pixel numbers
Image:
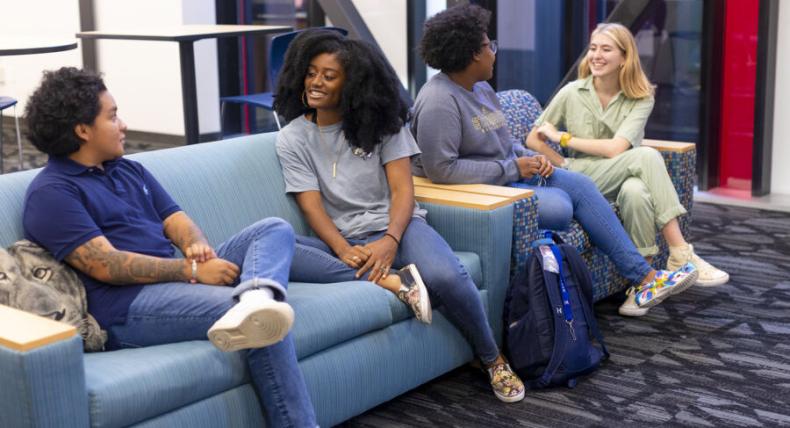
[{"x": 32, "y": 280}]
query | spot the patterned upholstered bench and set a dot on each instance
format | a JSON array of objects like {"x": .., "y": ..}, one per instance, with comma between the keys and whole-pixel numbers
[{"x": 522, "y": 110}]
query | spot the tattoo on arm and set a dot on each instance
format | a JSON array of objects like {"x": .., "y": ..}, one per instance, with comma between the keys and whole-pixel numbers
[
  {"x": 182, "y": 231},
  {"x": 98, "y": 259}
]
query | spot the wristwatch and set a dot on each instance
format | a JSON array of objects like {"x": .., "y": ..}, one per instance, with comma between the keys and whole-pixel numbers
[{"x": 564, "y": 139}]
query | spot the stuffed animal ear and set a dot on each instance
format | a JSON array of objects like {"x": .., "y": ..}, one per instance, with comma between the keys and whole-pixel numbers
[
  {"x": 93, "y": 336},
  {"x": 8, "y": 271}
]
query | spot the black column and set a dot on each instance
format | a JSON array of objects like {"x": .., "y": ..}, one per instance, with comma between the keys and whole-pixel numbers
[
  {"x": 90, "y": 59},
  {"x": 710, "y": 103},
  {"x": 764, "y": 91}
]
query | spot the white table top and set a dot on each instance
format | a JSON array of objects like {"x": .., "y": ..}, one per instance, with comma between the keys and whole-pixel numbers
[
  {"x": 177, "y": 33},
  {"x": 22, "y": 45}
]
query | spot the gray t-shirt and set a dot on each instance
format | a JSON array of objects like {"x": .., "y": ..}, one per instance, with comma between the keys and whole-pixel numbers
[
  {"x": 357, "y": 198},
  {"x": 463, "y": 135}
]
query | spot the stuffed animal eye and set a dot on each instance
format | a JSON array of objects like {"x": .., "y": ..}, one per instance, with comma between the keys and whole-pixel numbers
[
  {"x": 41, "y": 273},
  {"x": 3, "y": 276}
]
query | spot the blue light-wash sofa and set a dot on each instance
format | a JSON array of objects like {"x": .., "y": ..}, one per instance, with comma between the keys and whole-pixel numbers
[{"x": 358, "y": 346}]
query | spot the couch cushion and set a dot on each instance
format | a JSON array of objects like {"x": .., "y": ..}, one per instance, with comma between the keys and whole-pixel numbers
[
  {"x": 132, "y": 385},
  {"x": 123, "y": 391},
  {"x": 328, "y": 314},
  {"x": 225, "y": 185},
  {"x": 471, "y": 262}
]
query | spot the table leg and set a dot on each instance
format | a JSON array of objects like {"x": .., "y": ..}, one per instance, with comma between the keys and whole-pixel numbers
[{"x": 189, "y": 91}]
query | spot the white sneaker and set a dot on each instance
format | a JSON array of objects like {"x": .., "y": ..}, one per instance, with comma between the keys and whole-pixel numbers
[
  {"x": 641, "y": 298},
  {"x": 629, "y": 308},
  {"x": 709, "y": 276},
  {"x": 252, "y": 323}
]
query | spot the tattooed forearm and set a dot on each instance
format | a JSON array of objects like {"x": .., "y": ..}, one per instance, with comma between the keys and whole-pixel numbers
[
  {"x": 100, "y": 260},
  {"x": 180, "y": 229}
]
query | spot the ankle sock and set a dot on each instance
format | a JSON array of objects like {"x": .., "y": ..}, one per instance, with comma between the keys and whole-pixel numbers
[{"x": 258, "y": 294}]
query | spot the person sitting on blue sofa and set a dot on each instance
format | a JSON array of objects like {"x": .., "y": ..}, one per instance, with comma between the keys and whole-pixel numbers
[
  {"x": 346, "y": 156},
  {"x": 111, "y": 220},
  {"x": 462, "y": 132}
]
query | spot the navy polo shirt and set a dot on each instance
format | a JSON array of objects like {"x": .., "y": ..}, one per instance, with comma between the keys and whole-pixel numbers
[{"x": 68, "y": 204}]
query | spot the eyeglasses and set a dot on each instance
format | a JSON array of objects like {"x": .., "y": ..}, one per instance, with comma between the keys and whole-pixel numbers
[{"x": 493, "y": 45}]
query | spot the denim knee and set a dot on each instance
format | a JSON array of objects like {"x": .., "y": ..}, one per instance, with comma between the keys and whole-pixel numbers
[
  {"x": 555, "y": 209},
  {"x": 274, "y": 225}
]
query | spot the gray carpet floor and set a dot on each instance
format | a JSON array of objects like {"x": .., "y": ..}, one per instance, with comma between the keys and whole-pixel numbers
[{"x": 710, "y": 357}]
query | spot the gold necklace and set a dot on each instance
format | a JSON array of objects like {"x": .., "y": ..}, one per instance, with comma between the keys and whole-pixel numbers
[{"x": 325, "y": 147}]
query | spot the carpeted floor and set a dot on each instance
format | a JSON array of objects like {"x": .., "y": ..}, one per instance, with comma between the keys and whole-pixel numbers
[{"x": 709, "y": 357}]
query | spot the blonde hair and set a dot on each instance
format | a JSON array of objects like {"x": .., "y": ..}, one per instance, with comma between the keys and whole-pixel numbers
[{"x": 633, "y": 81}]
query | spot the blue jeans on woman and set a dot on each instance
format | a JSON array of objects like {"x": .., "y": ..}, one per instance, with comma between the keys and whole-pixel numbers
[
  {"x": 448, "y": 283},
  {"x": 177, "y": 312},
  {"x": 565, "y": 195}
]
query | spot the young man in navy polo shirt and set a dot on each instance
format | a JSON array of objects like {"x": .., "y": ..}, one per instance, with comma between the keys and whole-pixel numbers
[{"x": 110, "y": 219}]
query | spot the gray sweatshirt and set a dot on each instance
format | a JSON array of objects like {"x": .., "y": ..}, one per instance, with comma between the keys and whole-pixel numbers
[{"x": 463, "y": 135}]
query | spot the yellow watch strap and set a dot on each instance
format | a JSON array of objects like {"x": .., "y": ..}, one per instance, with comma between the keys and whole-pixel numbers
[{"x": 564, "y": 139}]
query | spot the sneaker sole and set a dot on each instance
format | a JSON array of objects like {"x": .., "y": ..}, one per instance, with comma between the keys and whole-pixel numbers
[
  {"x": 682, "y": 286},
  {"x": 259, "y": 329},
  {"x": 714, "y": 282},
  {"x": 425, "y": 300},
  {"x": 514, "y": 399},
  {"x": 638, "y": 312}
]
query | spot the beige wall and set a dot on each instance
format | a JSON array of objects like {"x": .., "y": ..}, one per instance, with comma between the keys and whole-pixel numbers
[
  {"x": 387, "y": 21},
  {"x": 780, "y": 169},
  {"x": 144, "y": 77},
  {"x": 41, "y": 19}
]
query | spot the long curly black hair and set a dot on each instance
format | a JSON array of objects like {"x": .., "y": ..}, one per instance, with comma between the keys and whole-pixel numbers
[
  {"x": 67, "y": 97},
  {"x": 451, "y": 38},
  {"x": 370, "y": 99}
]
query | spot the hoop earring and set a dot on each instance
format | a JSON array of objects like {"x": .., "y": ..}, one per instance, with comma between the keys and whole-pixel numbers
[{"x": 304, "y": 99}]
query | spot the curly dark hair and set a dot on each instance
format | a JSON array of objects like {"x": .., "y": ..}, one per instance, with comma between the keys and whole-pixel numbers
[
  {"x": 67, "y": 97},
  {"x": 451, "y": 38},
  {"x": 370, "y": 99}
]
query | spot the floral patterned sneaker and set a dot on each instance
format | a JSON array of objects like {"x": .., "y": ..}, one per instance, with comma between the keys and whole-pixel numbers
[
  {"x": 414, "y": 293},
  {"x": 505, "y": 383},
  {"x": 640, "y": 299},
  {"x": 666, "y": 284}
]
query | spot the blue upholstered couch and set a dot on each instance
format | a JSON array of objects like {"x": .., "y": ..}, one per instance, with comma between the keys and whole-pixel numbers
[{"x": 358, "y": 346}]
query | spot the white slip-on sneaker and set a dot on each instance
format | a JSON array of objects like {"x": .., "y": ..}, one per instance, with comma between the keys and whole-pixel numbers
[
  {"x": 709, "y": 275},
  {"x": 252, "y": 323}
]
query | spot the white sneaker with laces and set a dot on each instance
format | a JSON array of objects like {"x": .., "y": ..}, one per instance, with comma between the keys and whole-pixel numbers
[{"x": 709, "y": 275}]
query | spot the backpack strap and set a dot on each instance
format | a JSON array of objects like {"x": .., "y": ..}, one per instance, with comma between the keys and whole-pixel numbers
[
  {"x": 560, "y": 331},
  {"x": 582, "y": 275}
]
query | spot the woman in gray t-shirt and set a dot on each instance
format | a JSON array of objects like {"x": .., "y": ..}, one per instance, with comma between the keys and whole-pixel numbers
[{"x": 345, "y": 155}]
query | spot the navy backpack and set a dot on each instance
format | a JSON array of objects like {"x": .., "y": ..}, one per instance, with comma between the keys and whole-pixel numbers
[{"x": 548, "y": 318}]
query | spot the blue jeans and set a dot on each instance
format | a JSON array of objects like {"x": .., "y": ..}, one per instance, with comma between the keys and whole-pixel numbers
[
  {"x": 567, "y": 195},
  {"x": 177, "y": 312},
  {"x": 448, "y": 283}
]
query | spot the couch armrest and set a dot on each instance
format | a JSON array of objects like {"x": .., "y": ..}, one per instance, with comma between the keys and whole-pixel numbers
[
  {"x": 681, "y": 161},
  {"x": 480, "y": 219},
  {"x": 669, "y": 146},
  {"x": 41, "y": 372}
]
